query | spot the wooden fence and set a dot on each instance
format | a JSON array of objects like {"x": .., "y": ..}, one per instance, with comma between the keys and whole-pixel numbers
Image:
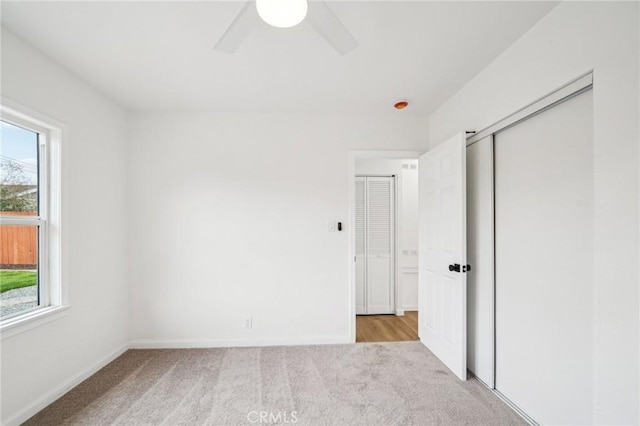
[{"x": 18, "y": 244}]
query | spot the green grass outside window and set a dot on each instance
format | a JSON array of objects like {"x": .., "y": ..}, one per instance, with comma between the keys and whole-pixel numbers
[{"x": 11, "y": 280}]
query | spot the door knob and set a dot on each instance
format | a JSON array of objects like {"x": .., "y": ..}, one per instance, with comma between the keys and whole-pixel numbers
[{"x": 455, "y": 267}]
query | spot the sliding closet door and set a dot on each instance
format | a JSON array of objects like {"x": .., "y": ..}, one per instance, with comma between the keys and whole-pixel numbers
[
  {"x": 544, "y": 269},
  {"x": 480, "y": 294}
]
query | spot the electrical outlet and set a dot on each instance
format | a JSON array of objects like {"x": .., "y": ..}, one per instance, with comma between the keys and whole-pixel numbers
[
  {"x": 248, "y": 322},
  {"x": 332, "y": 226}
]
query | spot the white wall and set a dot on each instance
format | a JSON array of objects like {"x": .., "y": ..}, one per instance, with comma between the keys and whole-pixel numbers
[
  {"x": 406, "y": 172},
  {"x": 40, "y": 363},
  {"x": 572, "y": 39},
  {"x": 228, "y": 220}
]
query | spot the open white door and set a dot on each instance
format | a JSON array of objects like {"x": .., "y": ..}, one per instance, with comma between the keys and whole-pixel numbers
[{"x": 443, "y": 253}]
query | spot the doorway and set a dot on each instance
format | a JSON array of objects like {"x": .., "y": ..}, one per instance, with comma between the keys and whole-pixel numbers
[{"x": 383, "y": 245}]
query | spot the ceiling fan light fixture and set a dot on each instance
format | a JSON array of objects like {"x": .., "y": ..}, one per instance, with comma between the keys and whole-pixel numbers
[{"x": 282, "y": 13}]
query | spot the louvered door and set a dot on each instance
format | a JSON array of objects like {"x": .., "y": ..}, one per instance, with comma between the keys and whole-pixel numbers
[
  {"x": 375, "y": 271},
  {"x": 361, "y": 255}
]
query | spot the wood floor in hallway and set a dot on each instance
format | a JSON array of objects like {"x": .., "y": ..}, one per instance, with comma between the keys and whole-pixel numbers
[{"x": 387, "y": 328}]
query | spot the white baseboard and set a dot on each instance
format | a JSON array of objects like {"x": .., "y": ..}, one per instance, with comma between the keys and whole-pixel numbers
[
  {"x": 410, "y": 308},
  {"x": 399, "y": 312},
  {"x": 231, "y": 343},
  {"x": 39, "y": 404}
]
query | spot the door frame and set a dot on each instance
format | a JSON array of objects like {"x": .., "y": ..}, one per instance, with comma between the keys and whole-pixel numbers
[{"x": 352, "y": 156}]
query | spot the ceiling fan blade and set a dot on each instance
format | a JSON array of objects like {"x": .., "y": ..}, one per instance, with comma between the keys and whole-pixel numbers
[
  {"x": 239, "y": 29},
  {"x": 327, "y": 24}
]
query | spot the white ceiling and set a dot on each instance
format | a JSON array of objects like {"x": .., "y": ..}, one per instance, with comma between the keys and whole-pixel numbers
[{"x": 159, "y": 56}]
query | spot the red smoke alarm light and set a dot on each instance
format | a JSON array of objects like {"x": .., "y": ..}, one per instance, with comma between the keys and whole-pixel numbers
[{"x": 401, "y": 105}]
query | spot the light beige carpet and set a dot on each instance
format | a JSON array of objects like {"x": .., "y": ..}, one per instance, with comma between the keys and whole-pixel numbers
[{"x": 358, "y": 384}]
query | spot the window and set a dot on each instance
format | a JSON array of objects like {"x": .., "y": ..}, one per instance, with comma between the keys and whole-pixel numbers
[{"x": 30, "y": 249}]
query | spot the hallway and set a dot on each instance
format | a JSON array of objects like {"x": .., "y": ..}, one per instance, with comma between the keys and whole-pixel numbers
[{"x": 387, "y": 328}]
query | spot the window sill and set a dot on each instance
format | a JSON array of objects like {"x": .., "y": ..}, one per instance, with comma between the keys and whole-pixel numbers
[{"x": 22, "y": 323}]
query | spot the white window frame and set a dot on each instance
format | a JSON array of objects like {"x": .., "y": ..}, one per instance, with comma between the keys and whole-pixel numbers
[{"x": 53, "y": 295}]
